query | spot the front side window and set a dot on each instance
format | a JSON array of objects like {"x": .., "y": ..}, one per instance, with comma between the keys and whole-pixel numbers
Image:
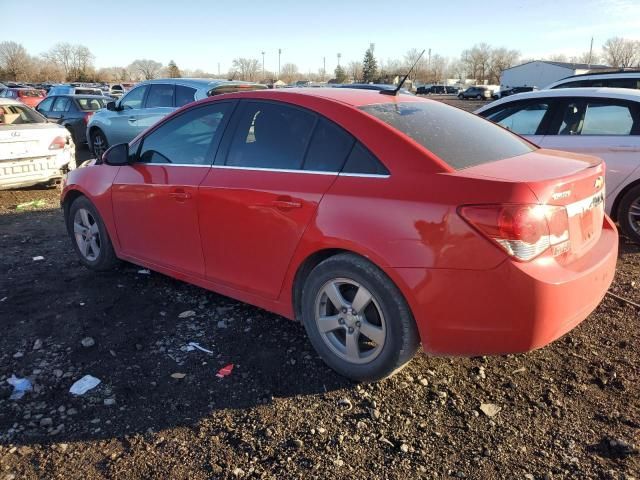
[
  {"x": 459, "y": 138},
  {"x": 45, "y": 105},
  {"x": 187, "y": 138},
  {"x": 61, "y": 105},
  {"x": 521, "y": 119},
  {"x": 596, "y": 118},
  {"x": 160, "y": 95},
  {"x": 270, "y": 135},
  {"x": 134, "y": 98}
]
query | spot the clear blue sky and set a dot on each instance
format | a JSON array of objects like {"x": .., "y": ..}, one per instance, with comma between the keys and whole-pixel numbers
[{"x": 201, "y": 34}]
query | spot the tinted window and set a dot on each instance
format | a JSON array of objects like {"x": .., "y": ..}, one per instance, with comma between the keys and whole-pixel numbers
[
  {"x": 186, "y": 139},
  {"x": 160, "y": 95},
  {"x": 521, "y": 119},
  {"x": 362, "y": 161},
  {"x": 45, "y": 105},
  {"x": 329, "y": 148},
  {"x": 184, "y": 95},
  {"x": 134, "y": 98},
  {"x": 90, "y": 104},
  {"x": 459, "y": 138},
  {"x": 270, "y": 135},
  {"x": 624, "y": 83},
  {"x": 596, "y": 118},
  {"x": 61, "y": 105}
]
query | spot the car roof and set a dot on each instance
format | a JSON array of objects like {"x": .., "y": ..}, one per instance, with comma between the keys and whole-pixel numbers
[
  {"x": 587, "y": 92},
  {"x": 354, "y": 97}
]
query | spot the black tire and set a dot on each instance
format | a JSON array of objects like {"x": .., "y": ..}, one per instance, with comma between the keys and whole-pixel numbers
[
  {"x": 106, "y": 258},
  {"x": 401, "y": 337},
  {"x": 461, "y": 97},
  {"x": 629, "y": 228},
  {"x": 478, "y": 97},
  {"x": 98, "y": 135}
]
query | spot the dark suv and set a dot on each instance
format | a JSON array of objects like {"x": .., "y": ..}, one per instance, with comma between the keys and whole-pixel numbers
[{"x": 479, "y": 93}]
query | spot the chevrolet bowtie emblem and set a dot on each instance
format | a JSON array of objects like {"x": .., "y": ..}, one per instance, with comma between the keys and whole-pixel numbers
[{"x": 599, "y": 182}]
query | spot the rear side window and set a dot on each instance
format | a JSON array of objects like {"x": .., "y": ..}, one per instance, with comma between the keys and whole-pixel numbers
[
  {"x": 329, "y": 148},
  {"x": 361, "y": 161},
  {"x": 160, "y": 95},
  {"x": 184, "y": 95},
  {"x": 459, "y": 138},
  {"x": 270, "y": 135},
  {"x": 596, "y": 118},
  {"x": 90, "y": 104}
]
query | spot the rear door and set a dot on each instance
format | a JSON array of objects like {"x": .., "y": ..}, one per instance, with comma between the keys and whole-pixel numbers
[
  {"x": 158, "y": 104},
  {"x": 606, "y": 128},
  {"x": 155, "y": 199},
  {"x": 271, "y": 172}
]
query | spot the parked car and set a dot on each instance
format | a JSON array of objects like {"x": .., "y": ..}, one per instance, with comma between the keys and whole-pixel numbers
[
  {"x": 28, "y": 96},
  {"x": 72, "y": 90},
  {"x": 596, "y": 121},
  {"x": 117, "y": 90},
  {"x": 72, "y": 112},
  {"x": 32, "y": 151},
  {"x": 437, "y": 89},
  {"x": 479, "y": 93},
  {"x": 621, "y": 79},
  {"x": 351, "y": 211},
  {"x": 511, "y": 91},
  {"x": 147, "y": 103},
  {"x": 372, "y": 86},
  {"x": 3, "y": 87}
]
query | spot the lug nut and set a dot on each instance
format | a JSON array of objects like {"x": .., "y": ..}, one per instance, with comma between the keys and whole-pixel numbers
[
  {"x": 350, "y": 329},
  {"x": 341, "y": 321},
  {"x": 344, "y": 310},
  {"x": 358, "y": 324}
]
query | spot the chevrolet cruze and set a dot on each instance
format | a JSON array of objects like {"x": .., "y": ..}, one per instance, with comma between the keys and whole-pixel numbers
[{"x": 381, "y": 222}]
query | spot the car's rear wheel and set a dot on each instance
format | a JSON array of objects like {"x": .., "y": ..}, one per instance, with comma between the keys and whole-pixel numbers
[
  {"x": 461, "y": 97},
  {"x": 357, "y": 319},
  {"x": 99, "y": 143},
  {"x": 479, "y": 97},
  {"x": 89, "y": 236},
  {"x": 629, "y": 214}
]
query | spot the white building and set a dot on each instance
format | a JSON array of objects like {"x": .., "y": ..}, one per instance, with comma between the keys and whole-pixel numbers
[{"x": 540, "y": 73}]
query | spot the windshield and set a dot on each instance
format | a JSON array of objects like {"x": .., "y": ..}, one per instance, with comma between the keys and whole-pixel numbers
[
  {"x": 90, "y": 104},
  {"x": 18, "y": 115},
  {"x": 459, "y": 138}
]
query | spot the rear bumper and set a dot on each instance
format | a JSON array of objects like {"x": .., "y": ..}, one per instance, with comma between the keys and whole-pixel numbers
[
  {"x": 32, "y": 171},
  {"x": 515, "y": 307}
]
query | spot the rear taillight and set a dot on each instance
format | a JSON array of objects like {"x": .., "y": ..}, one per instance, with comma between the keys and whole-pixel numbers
[
  {"x": 523, "y": 231},
  {"x": 87, "y": 116},
  {"x": 58, "y": 143}
]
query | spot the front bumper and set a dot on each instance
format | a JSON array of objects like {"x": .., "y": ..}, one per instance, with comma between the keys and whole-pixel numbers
[{"x": 515, "y": 307}]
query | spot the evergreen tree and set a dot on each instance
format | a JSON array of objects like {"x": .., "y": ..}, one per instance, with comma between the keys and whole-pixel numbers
[
  {"x": 174, "y": 71},
  {"x": 340, "y": 74},
  {"x": 369, "y": 66}
]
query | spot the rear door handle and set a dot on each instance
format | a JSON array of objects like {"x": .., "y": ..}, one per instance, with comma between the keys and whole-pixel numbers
[
  {"x": 625, "y": 148},
  {"x": 286, "y": 203},
  {"x": 180, "y": 195}
]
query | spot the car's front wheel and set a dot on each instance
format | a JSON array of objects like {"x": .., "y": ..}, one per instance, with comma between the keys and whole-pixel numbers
[
  {"x": 89, "y": 236},
  {"x": 99, "y": 143},
  {"x": 357, "y": 319},
  {"x": 629, "y": 214}
]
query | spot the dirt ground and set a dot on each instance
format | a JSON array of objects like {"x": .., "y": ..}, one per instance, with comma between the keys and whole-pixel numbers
[{"x": 570, "y": 410}]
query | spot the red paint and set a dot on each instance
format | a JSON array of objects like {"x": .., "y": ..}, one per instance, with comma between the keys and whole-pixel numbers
[{"x": 246, "y": 233}]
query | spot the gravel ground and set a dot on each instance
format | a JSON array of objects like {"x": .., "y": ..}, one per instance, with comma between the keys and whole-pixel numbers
[{"x": 570, "y": 410}]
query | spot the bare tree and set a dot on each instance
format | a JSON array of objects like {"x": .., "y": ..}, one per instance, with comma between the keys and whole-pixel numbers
[
  {"x": 146, "y": 69},
  {"x": 501, "y": 59},
  {"x": 590, "y": 58},
  {"x": 245, "y": 69},
  {"x": 420, "y": 70},
  {"x": 14, "y": 60},
  {"x": 557, "y": 57},
  {"x": 621, "y": 52},
  {"x": 355, "y": 71},
  {"x": 289, "y": 73},
  {"x": 75, "y": 60},
  {"x": 438, "y": 68}
]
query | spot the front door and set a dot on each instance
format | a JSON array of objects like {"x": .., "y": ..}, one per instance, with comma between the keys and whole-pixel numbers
[
  {"x": 155, "y": 200},
  {"x": 124, "y": 122},
  {"x": 256, "y": 202}
]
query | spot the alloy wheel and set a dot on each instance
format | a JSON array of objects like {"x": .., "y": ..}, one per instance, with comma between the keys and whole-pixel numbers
[
  {"x": 350, "y": 320},
  {"x": 634, "y": 215},
  {"x": 87, "y": 234},
  {"x": 99, "y": 145}
]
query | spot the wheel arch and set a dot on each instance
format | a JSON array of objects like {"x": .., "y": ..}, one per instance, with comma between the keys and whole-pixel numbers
[{"x": 619, "y": 196}]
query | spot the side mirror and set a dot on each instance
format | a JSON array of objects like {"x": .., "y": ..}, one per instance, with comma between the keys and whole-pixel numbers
[
  {"x": 117, "y": 155},
  {"x": 112, "y": 106}
]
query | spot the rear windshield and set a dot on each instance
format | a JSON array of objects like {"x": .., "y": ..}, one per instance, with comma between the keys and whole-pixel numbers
[
  {"x": 459, "y": 138},
  {"x": 18, "y": 115},
  {"x": 30, "y": 93},
  {"x": 90, "y": 104}
]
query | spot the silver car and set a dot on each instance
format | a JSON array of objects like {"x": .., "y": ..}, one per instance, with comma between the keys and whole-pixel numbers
[{"x": 148, "y": 102}]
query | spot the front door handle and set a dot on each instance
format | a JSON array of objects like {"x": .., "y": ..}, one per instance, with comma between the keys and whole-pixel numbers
[
  {"x": 132, "y": 119},
  {"x": 624, "y": 148},
  {"x": 180, "y": 195},
  {"x": 286, "y": 203}
]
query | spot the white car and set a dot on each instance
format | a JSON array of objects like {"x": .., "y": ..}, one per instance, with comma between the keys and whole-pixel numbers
[
  {"x": 604, "y": 122},
  {"x": 32, "y": 151}
]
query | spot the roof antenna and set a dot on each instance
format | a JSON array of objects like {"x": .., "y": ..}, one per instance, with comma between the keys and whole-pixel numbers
[{"x": 397, "y": 90}]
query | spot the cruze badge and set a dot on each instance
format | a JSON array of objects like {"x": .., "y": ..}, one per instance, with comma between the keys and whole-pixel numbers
[
  {"x": 560, "y": 195},
  {"x": 599, "y": 182}
]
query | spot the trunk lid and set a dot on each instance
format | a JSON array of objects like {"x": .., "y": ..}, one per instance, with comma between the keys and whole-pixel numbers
[
  {"x": 573, "y": 181},
  {"x": 28, "y": 140}
]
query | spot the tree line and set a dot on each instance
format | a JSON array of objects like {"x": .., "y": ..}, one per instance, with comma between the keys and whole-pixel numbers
[{"x": 482, "y": 62}]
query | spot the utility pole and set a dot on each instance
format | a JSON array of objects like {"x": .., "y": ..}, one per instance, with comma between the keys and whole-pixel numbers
[
  {"x": 339, "y": 55},
  {"x": 590, "y": 53},
  {"x": 429, "y": 64},
  {"x": 263, "y": 64},
  {"x": 324, "y": 67},
  {"x": 218, "y": 69},
  {"x": 279, "y": 53}
]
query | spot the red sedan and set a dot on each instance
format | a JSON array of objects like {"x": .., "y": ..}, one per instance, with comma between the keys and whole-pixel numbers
[
  {"x": 29, "y": 96},
  {"x": 381, "y": 222}
]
